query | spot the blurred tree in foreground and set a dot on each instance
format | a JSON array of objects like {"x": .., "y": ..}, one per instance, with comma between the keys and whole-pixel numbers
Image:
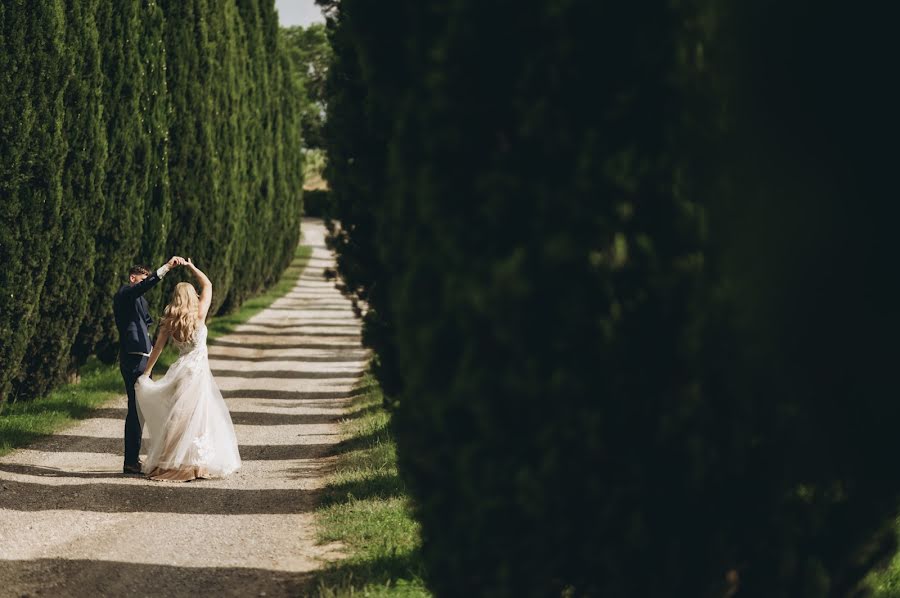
[
  {"x": 356, "y": 134},
  {"x": 626, "y": 270}
]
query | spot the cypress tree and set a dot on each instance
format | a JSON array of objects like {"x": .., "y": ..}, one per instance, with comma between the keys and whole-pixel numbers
[
  {"x": 128, "y": 167},
  {"x": 193, "y": 156},
  {"x": 290, "y": 163},
  {"x": 541, "y": 215},
  {"x": 638, "y": 288},
  {"x": 154, "y": 108},
  {"x": 277, "y": 208},
  {"x": 68, "y": 287},
  {"x": 800, "y": 229},
  {"x": 259, "y": 185},
  {"x": 227, "y": 99},
  {"x": 32, "y": 67},
  {"x": 356, "y": 134}
]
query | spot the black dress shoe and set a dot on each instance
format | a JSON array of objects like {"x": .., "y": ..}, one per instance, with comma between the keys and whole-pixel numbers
[{"x": 132, "y": 468}]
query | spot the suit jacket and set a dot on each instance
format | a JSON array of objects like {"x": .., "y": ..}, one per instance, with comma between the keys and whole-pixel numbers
[{"x": 133, "y": 317}]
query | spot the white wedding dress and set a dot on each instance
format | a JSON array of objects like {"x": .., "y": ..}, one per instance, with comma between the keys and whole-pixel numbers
[{"x": 190, "y": 430}]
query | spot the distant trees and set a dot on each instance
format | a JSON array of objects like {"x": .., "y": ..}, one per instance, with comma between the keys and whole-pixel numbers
[
  {"x": 626, "y": 275},
  {"x": 131, "y": 130},
  {"x": 309, "y": 53}
]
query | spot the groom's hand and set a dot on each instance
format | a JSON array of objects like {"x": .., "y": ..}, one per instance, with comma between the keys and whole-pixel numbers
[{"x": 175, "y": 261}]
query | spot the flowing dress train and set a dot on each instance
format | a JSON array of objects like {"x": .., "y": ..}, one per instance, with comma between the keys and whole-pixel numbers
[{"x": 189, "y": 427}]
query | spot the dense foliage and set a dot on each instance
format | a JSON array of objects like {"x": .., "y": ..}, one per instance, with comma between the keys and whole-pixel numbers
[
  {"x": 616, "y": 262},
  {"x": 129, "y": 131},
  {"x": 356, "y": 133},
  {"x": 309, "y": 52}
]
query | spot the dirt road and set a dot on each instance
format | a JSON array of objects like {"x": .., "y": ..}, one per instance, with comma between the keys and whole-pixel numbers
[{"x": 72, "y": 525}]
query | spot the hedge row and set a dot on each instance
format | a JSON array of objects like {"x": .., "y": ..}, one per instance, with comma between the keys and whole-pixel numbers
[
  {"x": 130, "y": 131},
  {"x": 627, "y": 275}
]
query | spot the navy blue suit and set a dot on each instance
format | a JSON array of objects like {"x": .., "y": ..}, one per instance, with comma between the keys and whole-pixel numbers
[{"x": 133, "y": 321}]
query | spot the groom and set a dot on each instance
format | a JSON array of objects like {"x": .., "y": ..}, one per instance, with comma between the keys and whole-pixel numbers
[{"x": 133, "y": 321}]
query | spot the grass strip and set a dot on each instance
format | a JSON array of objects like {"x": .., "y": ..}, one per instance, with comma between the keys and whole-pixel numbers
[
  {"x": 366, "y": 508},
  {"x": 24, "y": 422},
  {"x": 884, "y": 581}
]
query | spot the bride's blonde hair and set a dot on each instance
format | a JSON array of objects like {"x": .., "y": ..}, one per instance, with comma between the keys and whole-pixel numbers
[{"x": 182, "y": 314}]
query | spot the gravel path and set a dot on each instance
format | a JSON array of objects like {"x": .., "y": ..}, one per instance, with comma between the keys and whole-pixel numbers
[{"x": 72, "y": 525}]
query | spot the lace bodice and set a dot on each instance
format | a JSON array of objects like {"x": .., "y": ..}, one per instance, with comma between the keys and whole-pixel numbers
[{"x": 196, "y": 343}]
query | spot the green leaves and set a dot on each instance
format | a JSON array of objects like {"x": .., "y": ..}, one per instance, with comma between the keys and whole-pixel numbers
[{"x": 627, "y": 271}]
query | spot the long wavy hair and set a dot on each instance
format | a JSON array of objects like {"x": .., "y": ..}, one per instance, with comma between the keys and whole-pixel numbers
[{"x": 182, "y": 314}]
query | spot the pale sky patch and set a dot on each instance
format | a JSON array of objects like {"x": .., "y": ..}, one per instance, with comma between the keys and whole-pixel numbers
[{"x": 298, "y": 12}]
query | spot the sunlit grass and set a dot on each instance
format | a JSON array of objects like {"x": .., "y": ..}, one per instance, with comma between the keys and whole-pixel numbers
[
  {"x": 22, "y": 423},
  {"x": 885, "y": 583},
  {"x": 367, "y": 510}
]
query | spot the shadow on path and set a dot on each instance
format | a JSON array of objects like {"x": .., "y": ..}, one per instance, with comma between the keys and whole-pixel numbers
[
  {"x": 294, "y": 327},
  {"x": 271, "y": 346},
  {"x": 249, "y": 452},
  {"x": 247, "y": 418},
  {"x": 286, "y": 374},
  {"x": 112, "y": 578},
  {"x": 329, "y": 359},
  {"x": 55, "y": 472},
  {"x": 289, "y": 395},
  {"x": 296, "y": 334},
  {"x": 264, "y": 418},
  {"x": 194, "y": 498}
]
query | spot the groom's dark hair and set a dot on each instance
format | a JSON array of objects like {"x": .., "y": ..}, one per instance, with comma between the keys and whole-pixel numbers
[{"x": 138, "y": 269}]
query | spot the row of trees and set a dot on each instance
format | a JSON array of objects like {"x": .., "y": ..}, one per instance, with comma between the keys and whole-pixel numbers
[
  {"x": 132, "y": 130},
  {"x": 626, "y": 271}
]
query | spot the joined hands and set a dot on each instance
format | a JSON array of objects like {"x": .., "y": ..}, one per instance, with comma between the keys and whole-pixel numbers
[{"x": 176, "y": 261}]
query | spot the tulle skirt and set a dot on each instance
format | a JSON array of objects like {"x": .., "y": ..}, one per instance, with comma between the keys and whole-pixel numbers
[{"x": 187, "y": 428}]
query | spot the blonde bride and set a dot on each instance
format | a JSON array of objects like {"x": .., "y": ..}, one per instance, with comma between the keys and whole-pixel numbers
[{"x": 190, "y": 430}]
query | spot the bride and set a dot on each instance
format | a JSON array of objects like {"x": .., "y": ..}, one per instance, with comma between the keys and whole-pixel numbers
[{"x": 191, "y": 434}]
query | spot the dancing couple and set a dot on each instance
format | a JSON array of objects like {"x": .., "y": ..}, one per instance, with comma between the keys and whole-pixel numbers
[{"x": 191, "y": 435}]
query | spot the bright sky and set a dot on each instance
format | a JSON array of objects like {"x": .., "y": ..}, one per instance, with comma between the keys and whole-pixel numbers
[{"x": 298, "y": 12}]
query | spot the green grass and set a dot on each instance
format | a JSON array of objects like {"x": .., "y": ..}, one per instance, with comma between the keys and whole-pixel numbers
[
  {"x": 24, "y": 422},
  {"x": 366, "y": 508},
  {"x": 885, "y": 582}
]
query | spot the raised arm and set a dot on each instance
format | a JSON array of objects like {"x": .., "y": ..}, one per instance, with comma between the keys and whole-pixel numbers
[
  {"x": 205, "y": 289},
  {"x": 136, "y": 290},
  {"x": 157, "y": 349}
]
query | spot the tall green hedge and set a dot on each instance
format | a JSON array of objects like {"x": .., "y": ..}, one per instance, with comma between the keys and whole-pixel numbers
[
  {"x": 134, "y": 220},
  {"x": 131, "y": 131},
  {"x": 69, "y": 282},
  {"x": 356, "y": 134},
  {"x": 632, "y": 264},
  {"x": 33, "y": 62},
  {"x": 287, "y": 167}
]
